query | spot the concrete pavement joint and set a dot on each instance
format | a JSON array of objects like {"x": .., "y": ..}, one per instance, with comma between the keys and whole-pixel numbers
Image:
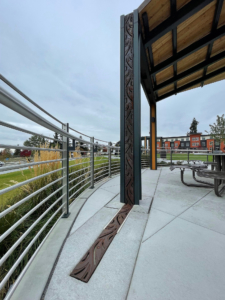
[
  {"x": 63, "y": 244},
  {"x": 141, "y": 239},
  {"x": 108, "y": 191},
  {"x": 177, "y": 217},
  {"x": 95, "y": 214},
  {"x": 201, "y": 226},
  {"x": 154, "y": 192}
]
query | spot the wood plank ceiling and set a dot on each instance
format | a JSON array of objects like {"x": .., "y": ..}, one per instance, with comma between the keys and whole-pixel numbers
[{"x": 184, "y": 45}]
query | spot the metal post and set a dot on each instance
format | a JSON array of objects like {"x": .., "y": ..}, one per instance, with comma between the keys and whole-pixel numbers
[
  {"x": 153, "y": 136},
  {"x": 171, "y": 158},
  {"x": 65, "y": 172},
  {"x": 109, "y": 151},
  {"x": 188, "y": 155},
  {"x": 92, "y": 164},
  {"x": 122, "y": 112}
]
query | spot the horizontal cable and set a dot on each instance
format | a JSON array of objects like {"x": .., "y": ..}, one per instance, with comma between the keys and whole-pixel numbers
[
  {"x": 6, "y": 278},
  {"x": 79, "y": 151},
  {"x": 101, "y": 141},
  {"x": 22, "y": 237},
  {"x": 14, "y": 206},
  {"x": 101, "y": 168},
  {"x": 82, "y": 157},
  {"x": 79, "y": 132},
  {"x": 79, "y": 170},
  {"x": 28, "y": 181},
  {"x": 79, "y": 177},
  {"x": 86, "y": 162},
  {"x": 29, "y": 148},
  {"x": 26, "y": 131},
  {"x": 100, "y": 172},
  {"x": 27, "y": 98},
  {"x": 99, "y": 176},
  {"x": 30, "y": 164},
  {"x": 115, "y": 168},
  {"x": 15, "y": 284},
  {"x": 101, "y": 164},
  {"x": 80, "y": 189},
  {"x": 16, "y": 105},
  {"x": 7, "y": 232},
  {"x": 78, "y": 183}
]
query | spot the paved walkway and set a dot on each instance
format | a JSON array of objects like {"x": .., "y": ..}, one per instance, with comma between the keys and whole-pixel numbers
[{"x": 175, "y": 251}]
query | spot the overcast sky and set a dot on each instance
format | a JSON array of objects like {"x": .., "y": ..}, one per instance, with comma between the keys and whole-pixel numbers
[{"x": 65, "y": 55}]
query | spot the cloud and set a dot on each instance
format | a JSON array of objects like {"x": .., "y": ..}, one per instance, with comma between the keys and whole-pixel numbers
[{"x": 65, "y": 55}]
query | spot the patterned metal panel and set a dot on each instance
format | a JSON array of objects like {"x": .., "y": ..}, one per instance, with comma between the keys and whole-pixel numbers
[
  {"x": 89, "y": 262},
  {"x": 129, "y": 109}
]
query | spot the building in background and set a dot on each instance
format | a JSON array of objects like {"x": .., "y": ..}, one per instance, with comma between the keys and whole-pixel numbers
[{"x": 190, "y": 141}]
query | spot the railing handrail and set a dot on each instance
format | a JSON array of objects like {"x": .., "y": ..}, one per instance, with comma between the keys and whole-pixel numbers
[
  {"x": 43, "y": 110},
  {"x": 58, "y": 182}
]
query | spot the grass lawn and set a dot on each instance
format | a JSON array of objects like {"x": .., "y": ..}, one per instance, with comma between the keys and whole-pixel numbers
[{"x": 184, "y": 156}]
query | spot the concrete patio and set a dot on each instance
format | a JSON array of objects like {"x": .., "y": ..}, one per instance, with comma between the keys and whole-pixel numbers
[{"x": 170, "y": 247}]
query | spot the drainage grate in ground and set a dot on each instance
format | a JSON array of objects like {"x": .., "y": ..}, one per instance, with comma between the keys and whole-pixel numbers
[{"x": 89, "y": 262}]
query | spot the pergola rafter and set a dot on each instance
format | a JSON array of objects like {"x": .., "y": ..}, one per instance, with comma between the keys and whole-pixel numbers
[
  {"x": 174, "y": 20},
  {"x": 219, "y": 6}
]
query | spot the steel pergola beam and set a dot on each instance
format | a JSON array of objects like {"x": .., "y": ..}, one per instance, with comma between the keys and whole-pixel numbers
[
  {"x": 149, "y": 49},
  {"x": 219, "y": 6},
  {"x": 173, "y": 21},
  {"x": 193, "y": 83},
  {"x": 189, "y": 50},
  {"x": 173, "y": 5},
  {"x": 190, "y": 71},
  {"x": 146, "y": 79}
]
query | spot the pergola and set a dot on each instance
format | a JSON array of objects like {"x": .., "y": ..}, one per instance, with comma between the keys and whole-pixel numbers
[{"x": 168, "y": 47}]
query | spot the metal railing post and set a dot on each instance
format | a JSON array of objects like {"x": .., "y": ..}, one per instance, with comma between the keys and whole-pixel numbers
[
  {"x": 109, "y": 150},
  {"x": 171, "y": 158},
  {"x": 65, "y": 172},
  {"x": 92, "y": 165},
  {"x": 188, "y": 155}
]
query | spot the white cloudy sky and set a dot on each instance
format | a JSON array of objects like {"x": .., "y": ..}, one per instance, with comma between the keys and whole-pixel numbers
[{"x": 65, "y": 55}]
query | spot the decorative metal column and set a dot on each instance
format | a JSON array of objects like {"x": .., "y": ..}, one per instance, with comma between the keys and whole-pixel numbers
[{"x": 130, "y": 134}]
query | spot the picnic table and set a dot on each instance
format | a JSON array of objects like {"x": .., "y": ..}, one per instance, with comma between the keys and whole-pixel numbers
[
  {"x": 194, "y": 167},
  {"x": 219, "y": 174}
]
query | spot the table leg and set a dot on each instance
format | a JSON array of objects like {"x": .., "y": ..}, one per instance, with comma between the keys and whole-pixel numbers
[
  {"x": 223, "y": 165},
  {"x": 218, "y": 166}
]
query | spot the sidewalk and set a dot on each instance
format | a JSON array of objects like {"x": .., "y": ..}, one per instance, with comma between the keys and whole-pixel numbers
[{"x": 174, "y": 252}]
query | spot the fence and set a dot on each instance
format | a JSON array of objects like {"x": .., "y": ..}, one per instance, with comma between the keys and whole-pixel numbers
[
  {"x": 60, "y": 171},
  {"x": 168, "y": 156}
]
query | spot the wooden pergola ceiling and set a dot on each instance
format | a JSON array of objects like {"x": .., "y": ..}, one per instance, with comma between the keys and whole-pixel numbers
[{"x": 183, "y": 45}]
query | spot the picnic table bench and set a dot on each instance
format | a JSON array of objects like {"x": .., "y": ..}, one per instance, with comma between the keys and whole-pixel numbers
[
  {"x": 218, "y": 177},
  {"x": 194, "y": 167}
]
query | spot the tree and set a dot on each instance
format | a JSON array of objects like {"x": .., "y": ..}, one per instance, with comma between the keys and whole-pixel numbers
[
  {"x": 6, "y": 153},
  {"x": 34, "y": 141},
  {"x": 56, "y": 137},
  {"x": 17, "y": 152},
  {"x": 217, "y": 129},
  {"x": 193, "y": 127},
  {"x": 57, "y": 141}
]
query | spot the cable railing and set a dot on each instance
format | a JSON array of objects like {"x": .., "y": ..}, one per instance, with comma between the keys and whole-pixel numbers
[
  {"x": 169, "y": 156},
  {"x": 58, "y": 174}
]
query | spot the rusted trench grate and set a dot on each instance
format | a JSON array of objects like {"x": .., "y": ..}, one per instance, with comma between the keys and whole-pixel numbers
[{"x": 89, "y": 262}]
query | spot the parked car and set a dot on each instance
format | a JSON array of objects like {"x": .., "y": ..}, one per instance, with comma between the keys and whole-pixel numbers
[{"x": 1, "y": 163}]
